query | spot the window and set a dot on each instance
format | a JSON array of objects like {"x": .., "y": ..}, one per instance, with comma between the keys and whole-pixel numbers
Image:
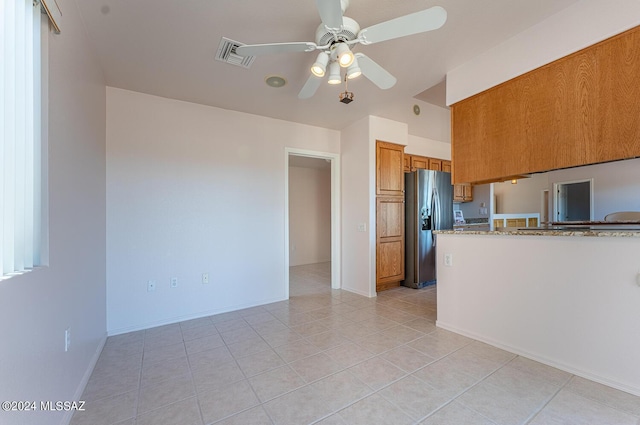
[{"x": 20, "y": 134}]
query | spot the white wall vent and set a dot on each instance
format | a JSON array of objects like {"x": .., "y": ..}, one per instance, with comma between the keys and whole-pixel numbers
[{"x": 227, "y": 53}]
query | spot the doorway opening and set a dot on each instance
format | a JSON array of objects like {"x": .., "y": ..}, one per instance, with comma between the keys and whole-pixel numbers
[
  {"x": 573, "y": 200},
  {"x": 312, "y": 221}
]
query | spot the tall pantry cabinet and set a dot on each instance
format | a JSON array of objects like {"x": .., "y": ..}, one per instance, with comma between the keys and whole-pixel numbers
[{"x": 389, "y": 215}]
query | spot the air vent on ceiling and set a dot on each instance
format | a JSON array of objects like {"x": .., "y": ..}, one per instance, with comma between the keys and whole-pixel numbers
[{"x": 227, "y": 53}]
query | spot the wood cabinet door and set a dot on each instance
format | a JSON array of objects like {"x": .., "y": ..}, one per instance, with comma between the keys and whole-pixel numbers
[
  {"x": 390, "y": 241},
  {"x": 458, "y": 192},
  {"x": 446, "y": 166},
  {"x": 468, "y": 192},
  {"x": 406, "y": 163},
  {"x": 462, "y": 193},
  {"x": 419, "y": 163},
  {"x": 389, "y": 169},
  {"x": 435, "y": 164}
]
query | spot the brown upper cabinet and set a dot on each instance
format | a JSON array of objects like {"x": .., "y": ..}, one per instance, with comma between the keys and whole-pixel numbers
[
  {"x": 406, "y": 161},
  {"x": 581, "y": 109},
  {"x": 462, "y": 192},
  {"x": 389, "y": 169},
  {"x": 417, "y": 162},
  {"x": 435, "y": 164}
]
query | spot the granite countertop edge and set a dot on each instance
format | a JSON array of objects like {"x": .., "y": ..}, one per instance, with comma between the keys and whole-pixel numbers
[{"x": 579, "y": 233}]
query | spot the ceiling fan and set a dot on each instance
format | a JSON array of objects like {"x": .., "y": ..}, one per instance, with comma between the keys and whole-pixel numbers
[{"x": 337, "y": 33}]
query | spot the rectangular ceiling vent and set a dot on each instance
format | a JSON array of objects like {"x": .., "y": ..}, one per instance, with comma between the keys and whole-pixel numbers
[{"x": 227, "y": 53}]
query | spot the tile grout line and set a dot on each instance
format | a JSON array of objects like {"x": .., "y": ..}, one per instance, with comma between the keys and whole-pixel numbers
[
  {"x": 536, "y": 413},
  {"x": 455, "y": 397},
  {"x": 195, "y": 390}
]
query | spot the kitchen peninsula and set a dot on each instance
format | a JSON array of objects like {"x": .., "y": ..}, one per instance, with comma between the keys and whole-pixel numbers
[{"x": 569, "y": 298}]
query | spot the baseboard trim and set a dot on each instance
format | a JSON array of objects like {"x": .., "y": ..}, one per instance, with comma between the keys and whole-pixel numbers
[
  {"x": 542, "y": 359},
  {"x": 66, "y": 419},
  {"x": 177, "y": 319},
  {"x": 355, "y": 291}
]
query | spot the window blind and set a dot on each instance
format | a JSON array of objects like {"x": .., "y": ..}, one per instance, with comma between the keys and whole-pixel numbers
[{"x": 19, "y": 135}]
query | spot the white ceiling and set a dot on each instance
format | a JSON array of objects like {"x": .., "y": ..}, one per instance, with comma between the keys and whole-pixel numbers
[{"x": 167, "y": 48}]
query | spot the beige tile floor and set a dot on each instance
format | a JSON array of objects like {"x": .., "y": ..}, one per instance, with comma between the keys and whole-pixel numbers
[{"x": 332, "y": 357}]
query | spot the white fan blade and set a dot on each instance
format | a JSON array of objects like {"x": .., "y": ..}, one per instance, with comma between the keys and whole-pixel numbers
[
  {"x": 310, "y": 87},
  {"x": 414, "y": 23},
  {"x": 266, "y": 49},
  {"x": 374, "y": 72},
  {"x": 330, "y": 13}
]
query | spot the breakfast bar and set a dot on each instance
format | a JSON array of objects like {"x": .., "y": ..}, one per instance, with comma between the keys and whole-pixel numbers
[{"x": 564, "y": 295}]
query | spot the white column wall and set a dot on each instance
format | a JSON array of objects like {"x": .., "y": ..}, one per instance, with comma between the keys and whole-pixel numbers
[{"x": 357, "y": 270}]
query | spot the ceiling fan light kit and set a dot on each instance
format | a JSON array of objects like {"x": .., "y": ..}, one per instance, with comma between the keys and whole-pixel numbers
[
  {"x": 334, "y": 73},
  {"x": 354, "y": 70},
  {"x": 344, "y": 55},
  {"x": 337, "y": 33},
  {"x": 320, "y": 66}
]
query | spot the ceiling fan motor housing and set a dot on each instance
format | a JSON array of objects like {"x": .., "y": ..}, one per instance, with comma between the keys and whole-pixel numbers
[{"x": 348, "y": 32}]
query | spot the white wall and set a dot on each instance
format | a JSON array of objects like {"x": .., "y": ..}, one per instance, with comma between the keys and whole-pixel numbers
[
  {"x": 616, "y": 185},
  {"x": 434, "y": 122},
  {"x": 428, "y": 147},
  {"x": 37, "y": 307},
  {"x": 570, "y": 302},
  {"x": 309, "y": 215},
  {"x": 481, "y": 195},
  {"x": 387, "y": 131},
  {"x": 193, "y": 189},
  {"x": 615, "y": 188},
  {"x": 576, "y": 27},
  {"x": 523, "y": 197},
  {"x": 357, "y": 270}
]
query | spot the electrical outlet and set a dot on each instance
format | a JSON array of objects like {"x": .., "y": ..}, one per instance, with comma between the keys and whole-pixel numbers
[
  {"x": 67, "y": 339},
  {"x": 448, "y": 260},
  {"x": 205, "y": 277},
  {"x": 362, "y": 227},
  {"x": 174, "y": 282},
  {"x": 151, "y": 286}
]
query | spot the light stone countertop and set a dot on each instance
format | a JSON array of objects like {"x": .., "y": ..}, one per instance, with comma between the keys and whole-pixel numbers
[{"x": 519, "y": 232}]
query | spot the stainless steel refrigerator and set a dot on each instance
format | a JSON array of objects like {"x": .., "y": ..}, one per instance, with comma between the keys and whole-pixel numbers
[{"x": 428, "y": 207}]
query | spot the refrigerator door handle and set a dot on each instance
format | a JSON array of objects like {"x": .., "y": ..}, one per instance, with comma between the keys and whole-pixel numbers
[{"x": 436, "y": 225}]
